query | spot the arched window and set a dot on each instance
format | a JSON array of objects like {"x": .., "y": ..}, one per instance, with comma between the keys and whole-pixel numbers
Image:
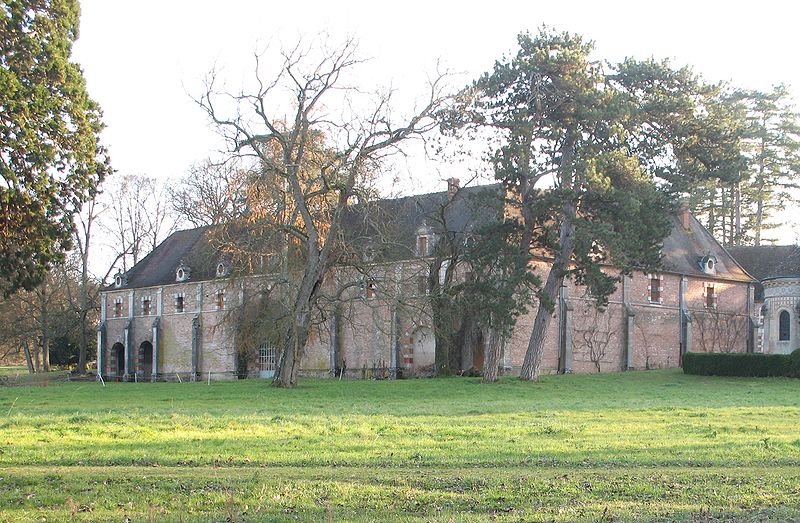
[{"x": 784, "y": 326}]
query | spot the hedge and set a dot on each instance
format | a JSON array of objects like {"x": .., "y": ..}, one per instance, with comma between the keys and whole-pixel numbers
[{"x": 742, "y": 364}]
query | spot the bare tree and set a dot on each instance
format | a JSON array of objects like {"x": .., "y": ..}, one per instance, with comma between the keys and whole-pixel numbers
[
  {"x": 317, "y": 158},
  {"x": 211, "y": 193},
  {"x": 138, "y": 217},
  {"x": 84, "y": 300}
]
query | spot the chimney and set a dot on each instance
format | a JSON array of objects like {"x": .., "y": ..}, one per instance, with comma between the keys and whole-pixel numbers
[
  {"x": 683, "y": 215},
  {"x": 452, "y": 186}
]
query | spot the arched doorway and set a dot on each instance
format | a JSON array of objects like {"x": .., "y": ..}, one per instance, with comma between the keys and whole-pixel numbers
[
  {"x": 117, "y": 360},
  {"x": 145, "y": 365}
]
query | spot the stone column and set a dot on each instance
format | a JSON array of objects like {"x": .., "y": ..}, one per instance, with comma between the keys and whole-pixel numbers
[
  {"x": 154, "y": 375},
  {"x": 630, "y": 320},
  {"x": 568, "y": 307},
  {"x": 101, "y": 347},
  {"x": 683, "y": 323},
  {"x": 393, "y": 344},
  {"x": 128, "y": 326},
  {"x": 195, "y": 347}
]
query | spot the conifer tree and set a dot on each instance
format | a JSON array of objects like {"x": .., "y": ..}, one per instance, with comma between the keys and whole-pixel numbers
[
  {"x": 50, "y": 157},
  {"x": 594, "y": 156}
]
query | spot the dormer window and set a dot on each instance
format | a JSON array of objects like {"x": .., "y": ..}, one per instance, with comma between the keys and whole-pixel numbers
[
  {"x": 372, "y": 289},
  {"x": 424, "y": 240},
  {"x": 223, "y": 269},
  {"x": 708, "y": 264},
  {"x": 422, "y": 246},
  {"x": 120, "y": 279},
  {"x": 183, "y": 272}
]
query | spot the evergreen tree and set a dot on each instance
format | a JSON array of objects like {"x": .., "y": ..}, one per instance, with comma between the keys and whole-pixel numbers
[
  {"x": 50, "y": 158},
  {"x": 594, "y": 158},
  {"x": 772, "y": 148}
]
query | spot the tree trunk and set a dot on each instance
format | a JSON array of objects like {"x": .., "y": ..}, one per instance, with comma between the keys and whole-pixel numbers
[
  {"x": 82, "y": 343},
  {"x": 737, "y": 233},
  {"x": 45, "y": 340},
  {"x": 758, "y": 219},
  {"x": 28, "y": 359},
  {"x": 84, "y": 306},
  {"x": 492, "y": 360},
  {"x": 555, "y": 279},
  {"x": 288, "y": 367}
]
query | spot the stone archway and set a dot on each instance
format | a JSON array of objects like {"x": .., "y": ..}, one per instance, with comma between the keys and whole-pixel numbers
[
  {"x": 117, "y": 361},
  {"x": 145, "y": 364}
]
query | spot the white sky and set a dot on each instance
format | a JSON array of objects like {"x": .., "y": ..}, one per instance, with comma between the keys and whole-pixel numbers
[{"x": 142, "y": 60}]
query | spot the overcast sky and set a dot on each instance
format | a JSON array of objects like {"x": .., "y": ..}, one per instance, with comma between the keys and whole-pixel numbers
[{"x": 142, "y": 60}]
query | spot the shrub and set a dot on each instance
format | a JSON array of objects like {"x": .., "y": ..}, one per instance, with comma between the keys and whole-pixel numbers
[
  {"x": 794, "y": 364},
  {"x": 739, "y": 364}
]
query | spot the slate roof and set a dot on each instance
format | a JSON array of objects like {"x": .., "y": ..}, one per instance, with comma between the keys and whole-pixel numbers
[
  {"x": 190, "y": 246},
  {"x": 768, "y": 261},
  {"x": 683, "y": 250},
  {"x": 392, "y": 227}
]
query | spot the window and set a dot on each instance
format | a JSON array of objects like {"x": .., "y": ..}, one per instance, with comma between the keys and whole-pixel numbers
[
  {"x": 422, "y": 245},
  {"x": 220, "y": 300},
  {"x": 711, "y": 297},
  {"x": 179, "y": 304},
  {"x": 146, "y": 306},
  {"x": 267, "y": 360},
  {"x": 784, "y": 326},
  {"x": 372, "y": 287},
  {"x": 118, "y": 308},
  {"x": 655, "y": 288}
]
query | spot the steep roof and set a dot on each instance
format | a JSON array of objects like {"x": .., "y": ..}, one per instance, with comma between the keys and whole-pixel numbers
[
  {"x": 768, "y": 261},
  {"x": 391, "y": 225},
  {"x": 158, "y": 268},
  {"x": 683, "y": 249}
]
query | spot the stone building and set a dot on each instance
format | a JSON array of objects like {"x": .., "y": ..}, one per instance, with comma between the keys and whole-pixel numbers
[
  {"x": 173, "y": 315},
  {"x": 777, "y": 296}
]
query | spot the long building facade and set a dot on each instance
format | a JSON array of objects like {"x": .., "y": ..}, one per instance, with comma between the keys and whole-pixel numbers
[{"x": 176, "y": 314}]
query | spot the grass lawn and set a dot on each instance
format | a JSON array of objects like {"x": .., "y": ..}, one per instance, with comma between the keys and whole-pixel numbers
[{"x": 656, "y": 445}]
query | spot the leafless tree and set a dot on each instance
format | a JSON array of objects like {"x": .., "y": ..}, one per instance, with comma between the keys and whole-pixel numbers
[
  {"x": 317, "y": 160},
  {"x": 84, "y": 299},
  {"x": 211, "y": 193},
  {"x": 31, "y": 319},
  {"x": 138, "y": 217}
]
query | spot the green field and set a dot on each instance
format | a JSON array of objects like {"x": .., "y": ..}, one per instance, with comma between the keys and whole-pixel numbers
[{"x": 655, "y": 445}]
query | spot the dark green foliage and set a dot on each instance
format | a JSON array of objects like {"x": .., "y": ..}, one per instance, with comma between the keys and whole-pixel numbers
[
  {"x": 64, "y": 351},
  {"x": 51, "y": 158},
  {"x": 500, "y": 285},
  {"x": 794, "y": 364},
  {"x": 739, "y": 364},
  {"x": 742, "y": 209},
  {"x": 603, "y": 147}
]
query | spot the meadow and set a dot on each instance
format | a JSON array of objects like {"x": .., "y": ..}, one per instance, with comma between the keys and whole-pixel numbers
[{"x": 655, "y": 445}]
